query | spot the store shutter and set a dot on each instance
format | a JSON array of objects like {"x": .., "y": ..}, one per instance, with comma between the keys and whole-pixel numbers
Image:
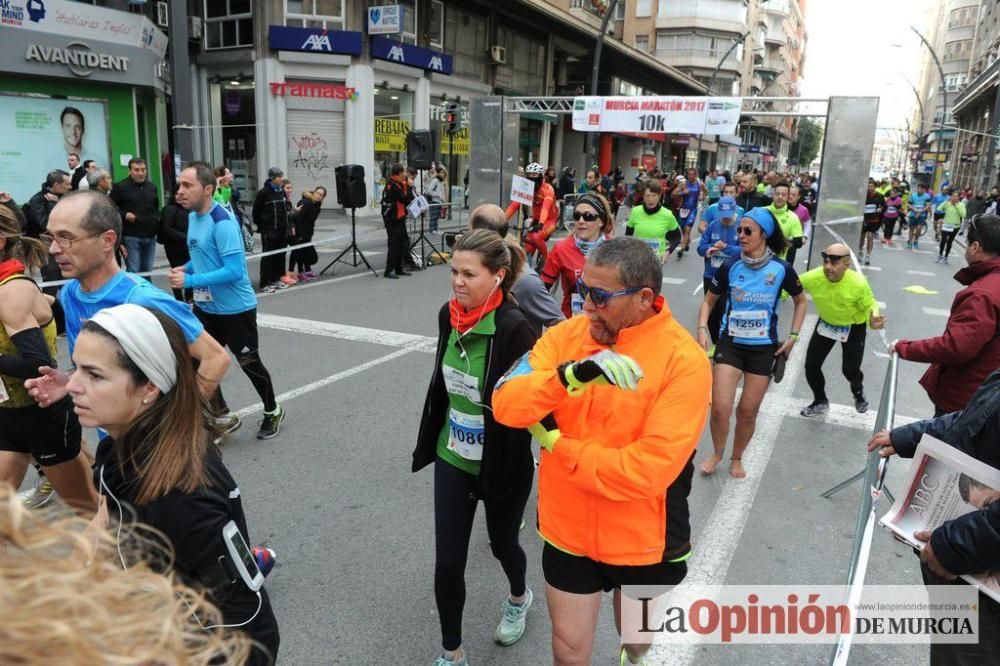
[{"x": 315, "y": 149}]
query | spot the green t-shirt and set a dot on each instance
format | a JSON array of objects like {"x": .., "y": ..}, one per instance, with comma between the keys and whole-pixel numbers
[
  {"x": 463, "y": 435},
  {"x": 652, "y": 228},
  {"x": 791, "y": 225},
  {"x": 843, "y": 303},
  {"x": 953, "y": 215}
]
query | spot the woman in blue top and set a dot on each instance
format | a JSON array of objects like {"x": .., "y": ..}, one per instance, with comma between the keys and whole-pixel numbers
[{"x": 748, "y": 337}]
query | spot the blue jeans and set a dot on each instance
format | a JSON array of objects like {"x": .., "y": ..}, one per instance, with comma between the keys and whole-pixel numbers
[{"x": 141, "y": 252}]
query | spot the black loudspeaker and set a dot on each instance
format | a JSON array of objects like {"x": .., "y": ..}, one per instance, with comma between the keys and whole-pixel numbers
[
  {"x": 421, "y": 148},
  {"x": 351, "y": 192}
]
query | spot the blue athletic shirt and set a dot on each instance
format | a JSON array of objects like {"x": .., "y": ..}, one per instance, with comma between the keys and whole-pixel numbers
[
  {"x": 918, "y": 203},
  {"x": 715, "y": 232},
  {"x": 711, "y": 213},
  {"x": 752, "y": 299},
  {"x": 937, "y": 200},
  {"x": 79, "y": 305},
  {"x": 218, "y": 268}
]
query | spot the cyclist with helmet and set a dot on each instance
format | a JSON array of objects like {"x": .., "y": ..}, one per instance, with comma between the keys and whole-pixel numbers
[{"x": 544, "y": 213}]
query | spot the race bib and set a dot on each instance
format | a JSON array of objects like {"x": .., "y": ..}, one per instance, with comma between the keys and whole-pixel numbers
[
  {"x": 576, "y": 303},
  {"x": 717, "y": 259},
  {"x": 685, "y": 212},
  {"x": 653, "y": 243},
  {"x": 202, "y": 295},
  {"x": 4, "y": 396},
  {"x": 870, "y": 208},
  {"x": 749, "y": 324},
  {"x": 891, "y": 209},
  {"x": 947, "y": 227},
  {"x": 462, "y": 384},
  {"x": 828, "y": 330},
  {"x": 468, "y": 434}
]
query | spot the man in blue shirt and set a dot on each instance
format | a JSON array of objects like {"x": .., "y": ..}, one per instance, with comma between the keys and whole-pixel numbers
[
  {"x": 936, "y": 201},
  {"x": 86, "y": 230},
  {"x": 223, "y": 296},
  {"x": 919, "y": 203},
  {"x": 718, "y": 243},
  {"x": 688, "y": 213}
]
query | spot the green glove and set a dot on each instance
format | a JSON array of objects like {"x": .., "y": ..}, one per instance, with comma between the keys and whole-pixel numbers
[
  {"x": 547, "y": 438},
  {"x": 604, "y": 367}
]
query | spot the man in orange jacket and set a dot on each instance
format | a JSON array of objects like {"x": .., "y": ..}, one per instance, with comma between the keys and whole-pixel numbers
[{"x": 618, "y": 400}]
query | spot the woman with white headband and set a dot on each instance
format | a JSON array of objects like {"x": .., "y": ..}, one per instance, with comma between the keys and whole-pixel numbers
[{"x": 135, "y": 379}]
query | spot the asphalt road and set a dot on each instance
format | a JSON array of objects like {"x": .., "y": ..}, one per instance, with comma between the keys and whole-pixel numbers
[{"x": 352, "y": 526}]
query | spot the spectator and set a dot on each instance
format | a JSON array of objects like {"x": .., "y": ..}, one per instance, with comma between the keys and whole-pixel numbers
[
  {"x": 270, "y": 216},
  {"x": 969, "y": 544},
  {"x": 99, "y": 180},
  {"x": 969, "y": 349},
  {"x": 89, "y": 167},
  {"x": 302, "y": 260},
  {"x": 173, "y": 237},
  {"x": 139, "y": 205},
  {"x": 397, "y": 195},
  {"x": 434, "y": 192},
  {"x": 567, "y": 183},
  {"x": 77, "y": 171},
  {"x": 37, "y": 210}
]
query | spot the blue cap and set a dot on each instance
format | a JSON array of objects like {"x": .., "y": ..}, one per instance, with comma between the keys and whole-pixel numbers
[
  {"x": 763, "y": 217},
  {"x": 727, "y": 207}
]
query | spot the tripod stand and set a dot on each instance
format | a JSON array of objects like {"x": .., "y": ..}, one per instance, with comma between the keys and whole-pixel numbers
[
  {"x": 422, "y": 238},
  {"x": 353, "y": 247}
]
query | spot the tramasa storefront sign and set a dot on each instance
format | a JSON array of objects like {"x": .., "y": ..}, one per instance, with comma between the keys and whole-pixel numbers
[
  {"x": 412, "y": 56},
  {"x": 321, "y": 90}
]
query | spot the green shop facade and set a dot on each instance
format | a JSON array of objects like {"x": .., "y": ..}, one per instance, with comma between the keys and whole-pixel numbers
[{"x": 59, "y": 94}]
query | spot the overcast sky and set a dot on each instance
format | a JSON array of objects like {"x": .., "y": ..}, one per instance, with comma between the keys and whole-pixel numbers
[{"x": 849, "y": 52}]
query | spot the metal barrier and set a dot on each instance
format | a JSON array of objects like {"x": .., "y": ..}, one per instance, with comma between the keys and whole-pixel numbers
[{"x": 871, "y": 491}]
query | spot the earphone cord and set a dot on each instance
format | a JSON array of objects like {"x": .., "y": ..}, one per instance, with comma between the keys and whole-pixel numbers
[
  {"x": 464, "y": 354},
  {"x": 118, "y": 543}
]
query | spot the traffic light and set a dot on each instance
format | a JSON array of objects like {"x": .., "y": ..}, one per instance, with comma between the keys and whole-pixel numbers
[{"x": 451, "y": 119}]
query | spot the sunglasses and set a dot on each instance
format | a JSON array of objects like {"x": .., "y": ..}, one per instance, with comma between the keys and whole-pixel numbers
[
  {"x": 833, "y": 258},
  {"x": 599, "y": 297},
  {"x": 586, "y": 216},
  {"x": 744, "y": 231}
]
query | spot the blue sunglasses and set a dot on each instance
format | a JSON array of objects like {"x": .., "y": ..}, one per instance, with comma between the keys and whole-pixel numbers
[{"x": 599, "y": 297}]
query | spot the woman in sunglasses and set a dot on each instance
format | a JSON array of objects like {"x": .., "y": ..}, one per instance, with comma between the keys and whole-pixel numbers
[
  {"x": 748, "y": 337},
  {"x": 482, "y": 333},
  {"x": 593, "y": 224}
]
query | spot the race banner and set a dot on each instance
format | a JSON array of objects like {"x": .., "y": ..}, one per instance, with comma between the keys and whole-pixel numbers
[{"x": 672, "y": 115}]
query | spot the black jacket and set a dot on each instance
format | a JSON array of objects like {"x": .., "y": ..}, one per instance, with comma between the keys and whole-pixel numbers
[
  {"x": 970, "y": 544},
  {"x": 173, "y": 234},
  {"x": 975, "y": 206},
  {"x": 396, "y": 196},
  {"x": 507, "y": 451},
  {"x": 271, "y": 212},
  {"x": 749, "y": 200},
  {"x": 36, "y": 213},
  {"x": 78, "y": 174},
  {"x": 305, "y": 220},
  {"x": 142, "y": 200}
]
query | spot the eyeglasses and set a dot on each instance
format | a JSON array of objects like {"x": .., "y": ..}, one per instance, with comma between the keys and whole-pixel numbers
[
  {"x": 833, "y": 258},
  {"x": 586, "y": 216},
  {"x": 65, "y": 243},
  {"x": 972, "y": 228},
  {"x": 744, "y": 231},
  {"x": 600, "y": 297}
]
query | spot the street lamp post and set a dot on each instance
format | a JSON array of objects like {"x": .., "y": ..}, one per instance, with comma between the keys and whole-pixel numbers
[
  {"x": 944, "y": 88},
  {"x": 711, "y": 88},
  {"x": 594, "y": 74}
]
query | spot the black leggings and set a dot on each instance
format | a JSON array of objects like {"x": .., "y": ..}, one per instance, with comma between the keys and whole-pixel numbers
[
  {"x": 715, "y": 316},
  {"x": 854, "y": 352},
  {"x": 946, "y": 239},
  {"x": 454, "y": 510},
  {"x": 889, "y": 227}
]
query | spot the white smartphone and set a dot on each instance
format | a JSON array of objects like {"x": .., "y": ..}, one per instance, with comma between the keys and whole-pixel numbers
[{"x": 242, "y": 559}]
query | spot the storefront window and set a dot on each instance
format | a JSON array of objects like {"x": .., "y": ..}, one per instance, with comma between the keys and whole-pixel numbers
[
  {"x": 327, "y": 14},
  {"x": 239, "y": 136},
  {"x": 393, "y": 120}
]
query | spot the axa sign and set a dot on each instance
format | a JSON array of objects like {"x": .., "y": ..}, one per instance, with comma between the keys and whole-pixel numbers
[
  {"x": 317, "y": 43},
  {"x": 313, "y": 40},
  {"x": 77, "y": 57},
  {"x": 412, "y": 56}
]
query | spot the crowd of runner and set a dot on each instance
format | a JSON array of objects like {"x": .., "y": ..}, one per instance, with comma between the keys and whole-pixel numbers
[{"x": 613, "y": 388}]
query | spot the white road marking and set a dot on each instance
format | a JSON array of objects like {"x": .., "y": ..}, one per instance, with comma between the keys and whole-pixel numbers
[
  {"x": 326, "y": 381},
  {"x": 936, "y": 312},
  {"x": 700, "y": 286},
  {"x": 882, "y": 305},
  {"x": 927, "y": 273},
  {"x": 670, "y": 280},
  {"x": 871, "y": 268},
  {"x": 344, "y": 332}
]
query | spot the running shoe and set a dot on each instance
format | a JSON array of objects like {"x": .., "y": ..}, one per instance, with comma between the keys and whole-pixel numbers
[
  {"x": 891, "y": 243},
  {"x": 625, "y": 661},
  {"x": 289, "y": 279},
  {"x": 268, "y": 289},
  {"x": 511, "y": 626},
  {"x": 442, "y": 661},
  {"x": 38, "y": 495},
  {"x": 280, "y": 285},
  {"x": 938, "y": 260},
  {"x": 945, "y": 260},
  {"x": 266, "y": 559},
  {"x": 861, "y": 403},
  {"x": 815, "y": 409},
  {"x": 868, "y": 260},
  {"x": 909, "y": 245},
  {"x": 227, "y": 423},
  {"x": 271, "y": 424}
]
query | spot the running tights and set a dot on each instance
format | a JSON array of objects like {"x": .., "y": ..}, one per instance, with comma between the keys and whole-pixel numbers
[
  {"x": 854, "y": 352},
  {"x": 254, "y": 369},
  {"x": 946, "y": 239},
  {"x": 454, "y": 510},
  {"x": 889, "y": 227}
]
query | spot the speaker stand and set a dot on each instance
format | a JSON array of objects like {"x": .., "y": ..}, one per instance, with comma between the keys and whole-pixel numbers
[
  {"x": 422, "y": 238},
  {"x": 353, "y": 248}
]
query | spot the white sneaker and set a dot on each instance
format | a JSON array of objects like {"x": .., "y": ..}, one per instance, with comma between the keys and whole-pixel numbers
[
  {"x": 512, "y": 622},
  {"x": 38, "y": 495}
]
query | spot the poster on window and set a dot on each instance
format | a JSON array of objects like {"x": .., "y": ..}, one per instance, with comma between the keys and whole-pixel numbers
[
  {"x": 643, "y": 115},
  {"x": 38, "y": 135}
]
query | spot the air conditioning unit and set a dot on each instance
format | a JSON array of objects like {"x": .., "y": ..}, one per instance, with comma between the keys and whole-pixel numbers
[
  {"x": 498, "y": 55},
  {"x": 194, "y": 27},
  {"x": 162, "y": 15}
]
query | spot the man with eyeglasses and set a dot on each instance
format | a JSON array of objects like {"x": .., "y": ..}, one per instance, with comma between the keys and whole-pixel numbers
[
  {"x": 969, "y": 349},
  {"x": 618, "y": 399},
  {"x": 846, "y": 306}
]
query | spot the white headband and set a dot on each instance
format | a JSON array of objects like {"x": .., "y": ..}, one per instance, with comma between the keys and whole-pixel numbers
[{"x": 142, "y": 337}]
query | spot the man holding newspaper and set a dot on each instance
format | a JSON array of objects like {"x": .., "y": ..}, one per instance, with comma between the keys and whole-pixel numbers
[{"x": 970, "y": 543}]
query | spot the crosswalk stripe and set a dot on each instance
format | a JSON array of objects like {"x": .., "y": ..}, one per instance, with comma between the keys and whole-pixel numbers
[
  {"x": 936, "y": 312},
  {"x": 927, "y": 273},
  {"x": 670, "y": 280}
]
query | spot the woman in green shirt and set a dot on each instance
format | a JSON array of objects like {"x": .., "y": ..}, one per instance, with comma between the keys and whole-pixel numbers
[
  {"x": 954, "y": 213},
  {"x": 654, "y": 223},
  {"x": 482, "y": 334}
]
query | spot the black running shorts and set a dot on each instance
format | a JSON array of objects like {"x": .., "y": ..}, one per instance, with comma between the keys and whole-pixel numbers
[
  {"x": 51, "y": 435},
  {"x": 753, "y": 360},
  {"x": 236, "y": 331},
  {"x": 582, "y": 575}
]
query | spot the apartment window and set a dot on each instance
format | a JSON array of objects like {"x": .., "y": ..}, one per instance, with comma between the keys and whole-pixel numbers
[
  {"x": 620, "y": 10},
  {"x": 327, "y": 14},
  {"x": 465, "y": 39},
  {"x": 228, "y": 24},
  {"x": 526, "y": 59},
  {"x": 409, "y": 34},
  {"x": 957, "y": 50},
  {"x": 696, "y": 45},
  {"x": 435, "y": 23},
  {"x": 643, "y": 8},
  {"x": 727, "y": 10},
  {"x": 962, "y": 17},
  {"x": 642, "y": 43}
]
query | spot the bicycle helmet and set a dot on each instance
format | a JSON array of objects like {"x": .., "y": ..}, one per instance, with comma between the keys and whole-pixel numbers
[{"x": 534, "y": 168}]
